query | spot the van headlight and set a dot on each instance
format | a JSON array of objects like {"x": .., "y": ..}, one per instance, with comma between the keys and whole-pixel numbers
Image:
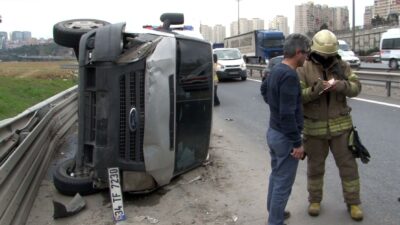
[
  {"x": 220, "y": 66},
  {"x": 243, "y": 66}
]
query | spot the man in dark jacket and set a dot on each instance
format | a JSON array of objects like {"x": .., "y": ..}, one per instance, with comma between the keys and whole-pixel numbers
[{"x": 281, "y": 90}]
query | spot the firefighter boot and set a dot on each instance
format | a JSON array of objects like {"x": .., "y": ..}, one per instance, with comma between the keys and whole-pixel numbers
[
  {"x": 314, "y": 208},
  {"x": 355, "y": 212}
]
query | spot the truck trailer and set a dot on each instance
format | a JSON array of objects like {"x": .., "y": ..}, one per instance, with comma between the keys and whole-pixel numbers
[{"x": 257, "y": 46}]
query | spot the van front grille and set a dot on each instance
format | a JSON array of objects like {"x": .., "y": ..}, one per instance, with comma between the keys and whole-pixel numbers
[{"x": 131, "y": 96}]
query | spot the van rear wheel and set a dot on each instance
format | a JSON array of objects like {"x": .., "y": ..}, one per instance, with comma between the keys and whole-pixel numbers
[{"x": 393, "y": 64}]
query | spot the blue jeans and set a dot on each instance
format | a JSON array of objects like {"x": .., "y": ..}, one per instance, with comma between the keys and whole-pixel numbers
[{"x": 282, "y": 176}]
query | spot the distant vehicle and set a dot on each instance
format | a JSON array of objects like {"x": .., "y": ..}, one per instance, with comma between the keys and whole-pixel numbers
[
  {"x": 217, "y": 45},
  {"x": 374, "y": 57},
  {"x": 345, "y": 47},
  {"x": 350, "y": 58},
  {"x": 230, "y": 64},
  {"x": 390, "y": 48},
  {"x": 258, "y": 46},
  {"x": 272, "y": 62}
]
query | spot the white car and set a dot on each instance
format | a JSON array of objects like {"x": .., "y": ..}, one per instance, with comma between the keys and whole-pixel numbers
[{"x": 350, "y": 58}]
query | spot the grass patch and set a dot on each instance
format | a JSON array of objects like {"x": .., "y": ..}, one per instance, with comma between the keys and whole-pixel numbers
[{"x": 24, "y": 84}]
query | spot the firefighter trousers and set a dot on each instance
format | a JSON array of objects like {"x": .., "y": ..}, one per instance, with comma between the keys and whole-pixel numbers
[{"x": 317, "y": 150}]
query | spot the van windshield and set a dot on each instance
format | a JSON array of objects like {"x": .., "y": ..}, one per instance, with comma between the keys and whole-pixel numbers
[
  {"x": 344, "y": 47},
  {"x": 228, "y": 54}
]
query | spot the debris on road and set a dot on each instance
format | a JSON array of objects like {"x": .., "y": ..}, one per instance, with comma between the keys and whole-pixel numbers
[{"x": 72, "y": 208}]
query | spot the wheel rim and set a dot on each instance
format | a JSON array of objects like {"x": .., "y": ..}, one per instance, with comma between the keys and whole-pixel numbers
[
  {"x": 84, "y": 25},
  {"x": 393, "y": 64}
]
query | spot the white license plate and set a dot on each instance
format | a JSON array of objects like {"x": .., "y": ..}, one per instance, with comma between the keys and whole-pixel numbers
[
  {"x": 116, "y": 194},
  {"x": 233, "y": 72}
]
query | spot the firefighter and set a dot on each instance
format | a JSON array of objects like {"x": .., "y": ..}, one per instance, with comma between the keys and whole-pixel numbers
[{"x": 326, "y": 81}]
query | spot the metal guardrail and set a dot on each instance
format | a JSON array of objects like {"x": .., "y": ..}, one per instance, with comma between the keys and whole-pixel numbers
[
  {"x": 69, "y": 66},
  {"x": 388, "y": 77},
  {"x": 27, "y": 143}
]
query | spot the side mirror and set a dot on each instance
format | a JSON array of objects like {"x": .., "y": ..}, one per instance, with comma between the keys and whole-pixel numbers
[{"x": 215, "y": 58}]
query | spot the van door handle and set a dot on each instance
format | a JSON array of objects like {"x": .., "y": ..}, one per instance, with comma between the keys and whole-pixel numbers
[{"x": 133, "y": 120}]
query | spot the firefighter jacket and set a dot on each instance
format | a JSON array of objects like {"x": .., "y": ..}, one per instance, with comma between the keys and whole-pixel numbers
[
  {"x": 215, "y": 76},
  {"x": 327, "y": 114}
]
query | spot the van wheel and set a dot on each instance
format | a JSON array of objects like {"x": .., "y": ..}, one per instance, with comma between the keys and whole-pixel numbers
[
  {"x": 68, "y": 33},
  {"x": 393, "y": 64},
  {"x": 244, "y": 78},
  {"x": 69, "y": 182}
]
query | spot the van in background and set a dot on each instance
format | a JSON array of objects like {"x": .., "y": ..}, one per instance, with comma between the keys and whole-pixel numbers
[
  {"x": 230, "y": 63},
  {"x": 390, "y": 48}
]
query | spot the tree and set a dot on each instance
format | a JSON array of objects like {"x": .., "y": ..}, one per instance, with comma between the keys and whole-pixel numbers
[
  {"x": 378, "y": 21},
  {"x": 324, "y": 26}
]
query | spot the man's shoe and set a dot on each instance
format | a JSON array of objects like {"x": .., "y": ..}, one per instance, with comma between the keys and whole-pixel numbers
[
  {"x": 314, "y": 209},
  {"x": 355, "y": 212},
  {"x": 286, "y": 215}
]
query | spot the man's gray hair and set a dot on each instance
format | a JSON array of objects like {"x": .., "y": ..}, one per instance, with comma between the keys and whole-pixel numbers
[{"x": 295, "y": 42}]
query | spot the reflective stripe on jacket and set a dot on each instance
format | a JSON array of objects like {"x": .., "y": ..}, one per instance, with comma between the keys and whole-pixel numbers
[{"x": 327, "y": 114}]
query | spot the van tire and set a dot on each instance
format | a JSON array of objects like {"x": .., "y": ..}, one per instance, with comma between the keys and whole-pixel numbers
[
  {"x": 393, "y": 64},
  {"x": 70, "y": 185},
  {"x": 68, "y": 33}
]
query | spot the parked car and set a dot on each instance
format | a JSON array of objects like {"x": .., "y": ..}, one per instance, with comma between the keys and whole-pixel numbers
[
  {"x": 271, "y": 63},
  {"x": 351, "y": 59},
  {"x": 145, "y": 105}
]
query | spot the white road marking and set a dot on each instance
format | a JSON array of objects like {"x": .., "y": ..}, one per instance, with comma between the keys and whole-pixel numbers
[
  {"x": 358, "y": 99},
  {"x": 376, "y": 102}
]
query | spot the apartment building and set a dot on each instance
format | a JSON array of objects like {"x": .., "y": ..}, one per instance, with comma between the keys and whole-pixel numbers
[
  {"x": 219, "y": 33},
  {"x": 206, "y": 31},
  {"x": 385, "y": 7},
  {"x": 368, "y": 15},
  {"x": 309, "y": 17},
  {"x": 279, "y": 23},
  {"x": 246, "y": 25}
]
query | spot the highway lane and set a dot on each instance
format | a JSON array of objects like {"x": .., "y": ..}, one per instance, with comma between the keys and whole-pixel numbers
[{"x": 378, "y": 126}]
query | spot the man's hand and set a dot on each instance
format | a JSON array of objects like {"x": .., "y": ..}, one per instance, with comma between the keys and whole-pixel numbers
[{"x": 298, "y": 153}]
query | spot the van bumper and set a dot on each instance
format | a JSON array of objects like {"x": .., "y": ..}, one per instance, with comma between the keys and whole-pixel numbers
[{"x": 237, "y": 73}]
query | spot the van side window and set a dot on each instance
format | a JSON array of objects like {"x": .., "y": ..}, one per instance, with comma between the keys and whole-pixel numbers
[{"x": 393, "y": 43}]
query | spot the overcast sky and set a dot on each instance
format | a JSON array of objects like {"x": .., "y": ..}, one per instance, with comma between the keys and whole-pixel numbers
[{"x": 39, "y": 16}]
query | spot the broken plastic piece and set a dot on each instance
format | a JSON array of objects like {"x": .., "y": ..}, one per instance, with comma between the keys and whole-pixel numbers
[{"x": 72, "y": 208}]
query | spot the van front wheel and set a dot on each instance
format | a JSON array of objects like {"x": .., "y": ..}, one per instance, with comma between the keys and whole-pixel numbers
[
  {"x": 393, "y": 64},
  {"x": 68, "y": 181}
]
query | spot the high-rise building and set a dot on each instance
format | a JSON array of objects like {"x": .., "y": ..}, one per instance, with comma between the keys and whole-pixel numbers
[
  {"x": 368, "y": 15},
  {"x": 246, "y": 25},
  {"x": 258, "y": 24},
  {"x": 309, "y": 17},
  {"x": 219, "y": 33},
  {"x": 21, "y": 36},
  {"x": 385, "y": 7},
  {"x": 280, "y": 23},
  {"x": 206, "y": 31},
  {"x": 3, "y": 39}
]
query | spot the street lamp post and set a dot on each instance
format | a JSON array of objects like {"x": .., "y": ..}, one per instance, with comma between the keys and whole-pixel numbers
[
  {"x": 354, "y": 27},
  {"x": 238, "y": 17}
]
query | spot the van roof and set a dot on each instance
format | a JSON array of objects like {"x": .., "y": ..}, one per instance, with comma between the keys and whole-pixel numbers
[
  {"x": 222, "y": 49},
  {"x": 391, "y": 33}
]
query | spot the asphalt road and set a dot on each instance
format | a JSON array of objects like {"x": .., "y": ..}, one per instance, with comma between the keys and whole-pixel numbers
[
  {"x": 378, "y": 127},
  {"x": 231, "y": 188}
]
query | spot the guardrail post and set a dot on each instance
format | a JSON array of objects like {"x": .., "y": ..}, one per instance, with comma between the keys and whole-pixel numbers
[{"x": 388, "y": 88}]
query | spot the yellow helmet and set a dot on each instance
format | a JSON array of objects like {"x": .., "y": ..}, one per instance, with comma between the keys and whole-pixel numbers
[{"x": 325, "y": 43}]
